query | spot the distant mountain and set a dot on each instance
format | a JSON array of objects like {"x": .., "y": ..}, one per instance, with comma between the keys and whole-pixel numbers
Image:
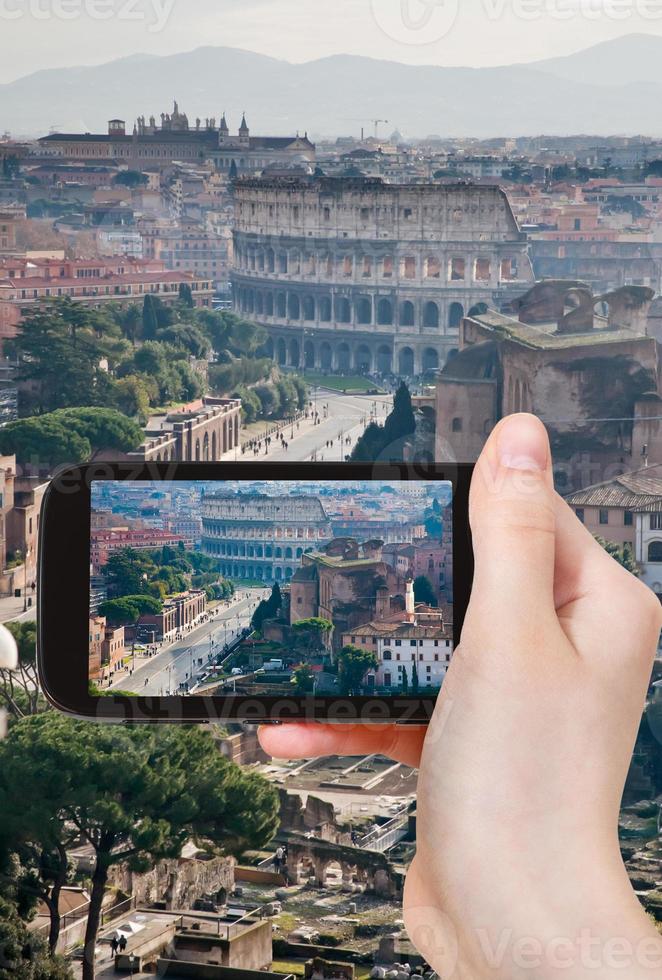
[{"x": 615, "y": 87}]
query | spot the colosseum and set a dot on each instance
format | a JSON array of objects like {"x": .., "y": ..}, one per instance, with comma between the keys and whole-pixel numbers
[
  {"x": 256, "y": 537},
  {"x": 353, "y": 274}
]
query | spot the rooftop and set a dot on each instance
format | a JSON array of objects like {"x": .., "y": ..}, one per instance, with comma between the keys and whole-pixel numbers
[{"x": 638, "y": 490}]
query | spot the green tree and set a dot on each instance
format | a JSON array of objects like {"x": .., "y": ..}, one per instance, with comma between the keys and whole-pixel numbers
[
  {"x": 127, "y": 610},
  {"x": 135, "y": 796},
  {"x": 43, "y": 442},
  {"x": 150, "y": 322},
  {"x": 185, "y": 294},
  {"x": 134, "y": 395},
  {"x": 424, "y": 591},
  {"x": 131, "y": 178},
  {"x": 130, "y": 320},
  {"x": 60, "y": 351},
  {"x": 24, "y": 954},
  {"x": 303, "y": 679},
  {"x": 19, "y": 688},
  {"x": 187, "y": 337},
  {"x": 404, "y": 683},
  {"x": 310, "y": 635},
  {"x": 353, "y": 664},
  {"x": 401, "y": 423},
  {"x": 620, "y": 553},
  {"x": 414, "y": 678}
]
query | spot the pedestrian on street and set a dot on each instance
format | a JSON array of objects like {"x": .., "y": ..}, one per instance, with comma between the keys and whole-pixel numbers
[
  {"x": 123, "y": 943},
  {"x": 114, "y": 945}
]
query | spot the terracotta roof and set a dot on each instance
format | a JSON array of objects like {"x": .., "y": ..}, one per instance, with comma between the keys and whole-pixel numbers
[{"x": 639, "y": 489}]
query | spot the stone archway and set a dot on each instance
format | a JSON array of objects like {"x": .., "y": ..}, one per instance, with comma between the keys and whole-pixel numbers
[
  {"x": 343, "y": 357},
  {"x": 326, "y": 356},
  {"x": 281, "y": 351},
  {"x": 430, "y": 359},
  {"x": 406, "y": 362},
  {"x": 384, "y": 359},
  {"x": 455, "y": 315},
  {"x": 309, "y": 354},
  {"x": 295, "y": 353},
  {"x": 363, "y": 359}
]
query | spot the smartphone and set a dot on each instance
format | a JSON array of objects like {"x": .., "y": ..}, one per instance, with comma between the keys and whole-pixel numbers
[{"x": 257, "y": 592}]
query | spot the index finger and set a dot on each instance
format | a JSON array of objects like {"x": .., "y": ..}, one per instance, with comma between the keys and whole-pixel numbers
[{"x": 308, "y": 740}]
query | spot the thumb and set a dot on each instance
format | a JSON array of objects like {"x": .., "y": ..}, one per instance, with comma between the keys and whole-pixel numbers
[{"x": 513, "y": 526}]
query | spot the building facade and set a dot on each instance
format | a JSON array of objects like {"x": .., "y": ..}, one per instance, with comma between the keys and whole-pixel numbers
[
  {"x": 176, "y": 139},
  {"x": 201, "y": 431},
  {"x": 104, "y": 541},
  {"x": 352, "y": 274},
  {"x": 180, "y": 614},
  {"x": 262, "y": 538}
]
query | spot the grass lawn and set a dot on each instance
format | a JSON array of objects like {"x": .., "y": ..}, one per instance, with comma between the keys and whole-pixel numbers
[{"x": 353, "y": 383}]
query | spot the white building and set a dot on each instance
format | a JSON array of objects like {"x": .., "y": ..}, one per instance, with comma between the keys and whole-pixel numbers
[
  {"x": 419, "y": 644},
  {"x": 648, "y": 544}
]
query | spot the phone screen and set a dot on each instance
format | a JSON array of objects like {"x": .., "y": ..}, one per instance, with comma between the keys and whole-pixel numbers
[{"x": 261, "y": 588}]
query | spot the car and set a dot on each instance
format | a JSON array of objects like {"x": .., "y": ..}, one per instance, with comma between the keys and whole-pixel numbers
[{"x": 236, "y": 671}]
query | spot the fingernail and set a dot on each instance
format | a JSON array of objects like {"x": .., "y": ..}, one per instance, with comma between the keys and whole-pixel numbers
[{"x": 522, "y": 444}]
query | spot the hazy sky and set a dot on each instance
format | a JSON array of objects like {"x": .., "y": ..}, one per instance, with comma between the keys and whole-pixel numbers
[{"x": 38, "y": 34}]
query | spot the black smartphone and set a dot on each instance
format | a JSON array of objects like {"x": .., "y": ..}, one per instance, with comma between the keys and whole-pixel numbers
[{"x": 260, "y": 592}]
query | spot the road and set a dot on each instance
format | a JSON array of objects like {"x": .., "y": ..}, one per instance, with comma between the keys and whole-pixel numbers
[
  {"x": 163, "y": 673},
  {"x": 346, "y": 415}
]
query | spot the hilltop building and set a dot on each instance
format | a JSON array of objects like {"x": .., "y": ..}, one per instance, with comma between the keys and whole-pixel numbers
[{"x": 176, "y": 139}]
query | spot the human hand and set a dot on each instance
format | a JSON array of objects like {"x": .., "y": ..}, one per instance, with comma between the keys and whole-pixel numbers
[{"x": 518, "y": 871}]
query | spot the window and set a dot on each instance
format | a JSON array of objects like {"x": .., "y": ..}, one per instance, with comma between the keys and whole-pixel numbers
[
  {"x": 412, "y": 643},
  {"x": 579, "y": 511},
  {"x": 656, "y": 522},
  {"x": 398, "y": 643},
  {"x": 457, "y": 268},
  {"x": 628, "y": 518},
  {"x": 410, "y": 267},
  {"x": 655, "y": 551},
  {"x": 456, "y": 425},
  {"x": 604, "y": 515},
  {"x": 387, "y": 655}
]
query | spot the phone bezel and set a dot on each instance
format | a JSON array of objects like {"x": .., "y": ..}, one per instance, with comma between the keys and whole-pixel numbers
[{"x": 63, "y": 596}]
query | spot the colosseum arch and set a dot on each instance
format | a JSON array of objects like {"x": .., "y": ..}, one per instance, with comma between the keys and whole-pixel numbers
[
  {"x": 281, "y": 351},
  {"x": 325, "y": 309},
  {"x": 343, "y": 310},
  {"x": 259, "y": 303},
  {"x": 309, "y": 354},
  {"x": 281, "y": 262},
  {"x": 260, "y": 260},
  {"x": 326, "y": 356},
  {"x": 270, "y": 260},
  {"x": 308, "y": 308},
  {"x": 281, "y": 305},
  {"x": 293, "y": 307},
  {"x": 343, "y": 358},
  {"x": 384, "y": 359},
  {"x": 250, "y": 300},
  {"x": 295, "y": 353},
  {"x": 455, "y": 315},
  {"x": 407, "y": 314},
  {"x": 385, "y": 312},
  {"x": 431, "y": 315},
  {"x": 363, "y": 310},
  {"x": 363, "y": 359},
  {"x": 269, "y": 304},
  {"x": 406, "y": 362},
  {"x": 430, "y": 359},
  {"x": 269, "y": 347}
]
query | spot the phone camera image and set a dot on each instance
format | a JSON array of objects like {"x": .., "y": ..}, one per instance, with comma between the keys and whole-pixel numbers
[{"x": 263, "y": 588}]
